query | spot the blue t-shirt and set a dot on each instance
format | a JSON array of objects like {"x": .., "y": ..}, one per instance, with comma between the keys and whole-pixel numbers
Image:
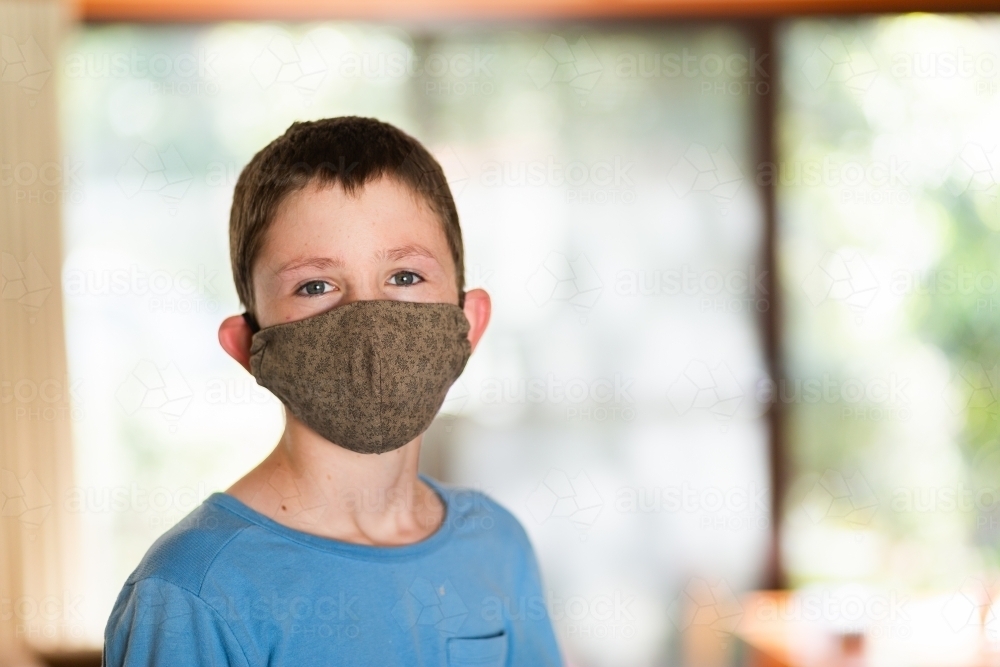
[{"x": 229, "y": 586}]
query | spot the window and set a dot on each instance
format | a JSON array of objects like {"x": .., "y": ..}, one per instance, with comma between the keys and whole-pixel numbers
[
  {"x": 888, "y": 258},
  {"x": 599, "y": 175},
  {"x": 613, "y": 204}
]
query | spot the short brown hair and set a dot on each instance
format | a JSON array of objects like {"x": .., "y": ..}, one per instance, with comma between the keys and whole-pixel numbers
[{"x": 349, "y": 151}]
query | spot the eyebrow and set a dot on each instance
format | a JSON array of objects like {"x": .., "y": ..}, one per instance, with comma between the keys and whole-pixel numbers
[
  {"x": 311, "y": 263},
  {"x": 392, "y": 254},
  {"x": 411, "y": 250}
]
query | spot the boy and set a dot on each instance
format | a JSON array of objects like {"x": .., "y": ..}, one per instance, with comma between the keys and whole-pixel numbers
[{"x": 347, "y": 255}]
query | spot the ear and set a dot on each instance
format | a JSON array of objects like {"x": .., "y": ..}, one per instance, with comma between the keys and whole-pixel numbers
[
  {"x": 234, "y": 336},
  {"x": 477, "y": 309}
]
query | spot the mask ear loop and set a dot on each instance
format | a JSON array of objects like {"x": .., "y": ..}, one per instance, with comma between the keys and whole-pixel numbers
[
  {"x": 461, "y": 299},
  {"x": 251, "y": 322}
]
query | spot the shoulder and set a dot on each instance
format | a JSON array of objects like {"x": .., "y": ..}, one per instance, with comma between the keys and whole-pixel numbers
[
  {"x": 471, "y": 510},
  {"x": 183, "y": 555},
  {"x": 156, "y": 623}
]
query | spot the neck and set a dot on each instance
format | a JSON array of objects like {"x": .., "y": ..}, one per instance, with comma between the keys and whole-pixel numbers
[{"x": 313, "y": 485}]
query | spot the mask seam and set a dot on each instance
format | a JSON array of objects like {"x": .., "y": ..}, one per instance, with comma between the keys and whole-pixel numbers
[
  {"x": 260, "y": 364},
  {"x": 378, "y": 360},
  {"x": 284, "y": 402}
]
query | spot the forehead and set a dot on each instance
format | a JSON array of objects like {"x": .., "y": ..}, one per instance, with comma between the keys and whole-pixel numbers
[{"x": 384, "y": 211}]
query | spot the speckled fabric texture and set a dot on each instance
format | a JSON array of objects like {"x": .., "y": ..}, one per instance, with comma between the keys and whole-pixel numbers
[{"x": 369, "y": 375}]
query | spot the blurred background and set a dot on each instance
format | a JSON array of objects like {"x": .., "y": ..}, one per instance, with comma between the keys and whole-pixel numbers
[{"x": 741, "y": 384}]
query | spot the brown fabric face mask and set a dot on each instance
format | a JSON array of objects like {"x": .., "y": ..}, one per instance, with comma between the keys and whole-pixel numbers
[{"x": 370, "y": 375}]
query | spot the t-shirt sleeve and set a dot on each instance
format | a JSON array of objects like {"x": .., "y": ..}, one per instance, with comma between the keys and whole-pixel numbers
[{"x": 157, "y": 624}]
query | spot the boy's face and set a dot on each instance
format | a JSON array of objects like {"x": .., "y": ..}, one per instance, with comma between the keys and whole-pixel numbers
[{"x": 326, "y": 248}]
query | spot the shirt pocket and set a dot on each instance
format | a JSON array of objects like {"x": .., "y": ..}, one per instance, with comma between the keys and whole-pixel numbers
[{"x": 490, "y": 651}]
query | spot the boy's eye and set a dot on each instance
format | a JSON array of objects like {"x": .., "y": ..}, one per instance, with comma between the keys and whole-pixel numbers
[
  {"x": 314, "y": 288},
  {"x": 405, "y": 278}
]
